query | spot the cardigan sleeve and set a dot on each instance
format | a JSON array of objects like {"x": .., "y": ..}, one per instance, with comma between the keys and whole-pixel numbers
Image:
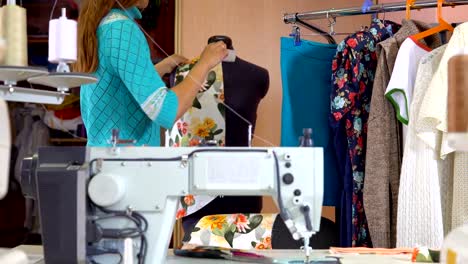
[{"x": 127, "y": 53}]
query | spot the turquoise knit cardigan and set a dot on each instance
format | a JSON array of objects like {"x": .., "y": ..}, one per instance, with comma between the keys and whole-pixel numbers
[{"x": 129, "y": 95}]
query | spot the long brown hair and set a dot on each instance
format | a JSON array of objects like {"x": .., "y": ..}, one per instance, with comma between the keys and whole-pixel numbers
[{"x": 91, "y": 14}]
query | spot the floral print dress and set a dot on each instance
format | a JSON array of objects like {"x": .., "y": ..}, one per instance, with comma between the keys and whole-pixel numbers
[
  {"x": 353, "y": 69},
  {"x": 204, "y": 122}
]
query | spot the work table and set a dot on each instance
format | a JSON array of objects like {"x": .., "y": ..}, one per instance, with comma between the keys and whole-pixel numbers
[{"x": 35, "y": 254}]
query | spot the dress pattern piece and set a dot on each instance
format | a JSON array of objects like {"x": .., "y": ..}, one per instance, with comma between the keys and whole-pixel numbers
[
  {"x": 353, "y": 69},
  {"x": 203, "y": 122}
]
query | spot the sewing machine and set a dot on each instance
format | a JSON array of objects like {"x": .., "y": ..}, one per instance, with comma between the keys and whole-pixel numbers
[{"x": 95, "y": 196}]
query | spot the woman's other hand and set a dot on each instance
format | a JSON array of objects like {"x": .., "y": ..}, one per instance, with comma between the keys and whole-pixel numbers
[{"x": 170, "y": 63}]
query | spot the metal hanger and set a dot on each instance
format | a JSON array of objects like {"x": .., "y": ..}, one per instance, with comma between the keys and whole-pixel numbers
[
  {"x": 320, "y": 32},
  {"x": 331, "y": 26}
]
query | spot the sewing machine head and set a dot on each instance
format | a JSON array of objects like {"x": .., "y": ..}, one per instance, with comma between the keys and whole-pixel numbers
[{"x": 133, "y": 193}]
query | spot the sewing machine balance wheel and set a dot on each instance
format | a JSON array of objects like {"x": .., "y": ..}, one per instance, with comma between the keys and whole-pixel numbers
[{"x": 106, "y": 189}]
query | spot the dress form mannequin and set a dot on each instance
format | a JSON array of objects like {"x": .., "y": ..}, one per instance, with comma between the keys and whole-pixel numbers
[{"x": 245, "y": 85}]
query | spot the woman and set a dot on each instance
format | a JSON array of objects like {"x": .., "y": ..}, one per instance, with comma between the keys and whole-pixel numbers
[{"x": 130, "y": 95}]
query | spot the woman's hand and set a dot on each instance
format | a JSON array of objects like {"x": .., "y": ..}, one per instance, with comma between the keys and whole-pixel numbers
[
  {"x": 188, "y": 89},
  {"x": 213, "y": 54},
  {"x": 170, "y": 63}
]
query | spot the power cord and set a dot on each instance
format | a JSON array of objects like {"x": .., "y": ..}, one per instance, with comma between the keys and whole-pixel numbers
[{"x": 141, "y": 227}]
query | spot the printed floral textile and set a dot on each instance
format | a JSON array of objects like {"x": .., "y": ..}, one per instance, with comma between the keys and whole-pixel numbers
[
  {"x": 353, "y": 69},
  {"x": 203, "y": 122},
  {"x": 238, "y": 231}
]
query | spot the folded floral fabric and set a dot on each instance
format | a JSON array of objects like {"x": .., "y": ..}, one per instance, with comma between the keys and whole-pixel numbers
[
  {"x": 237, "y": 231},
  {"x": 423, "y": 254}
]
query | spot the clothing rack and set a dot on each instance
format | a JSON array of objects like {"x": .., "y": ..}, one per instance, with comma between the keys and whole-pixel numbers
[{"x": 292, "y": 18}]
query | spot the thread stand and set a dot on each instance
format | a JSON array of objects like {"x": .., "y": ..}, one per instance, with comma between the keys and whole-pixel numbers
[
  {"x": 11, "y": 75},
  {"x": 26, "y": 95},
  {"x": 63, "y": 81}
]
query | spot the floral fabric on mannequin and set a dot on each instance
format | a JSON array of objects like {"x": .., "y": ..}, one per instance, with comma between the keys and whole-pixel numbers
[{"x": 203, "y": 123}]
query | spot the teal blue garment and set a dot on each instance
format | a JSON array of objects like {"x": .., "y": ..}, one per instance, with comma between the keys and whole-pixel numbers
[
  {"x": 306, "y": 72},
  {"x": 129, "y": 95}
]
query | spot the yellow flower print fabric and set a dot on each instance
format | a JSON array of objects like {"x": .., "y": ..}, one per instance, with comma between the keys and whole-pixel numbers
[
  {"x": 237, "y": 231},
  {"x": 204, "y": 122}
]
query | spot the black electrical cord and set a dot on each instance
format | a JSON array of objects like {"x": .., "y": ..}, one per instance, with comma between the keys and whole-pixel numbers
[
  {"x": 140, "y": 230},
  {"x": 143, "y": 219},
  {"x": 110, "y": 215}
]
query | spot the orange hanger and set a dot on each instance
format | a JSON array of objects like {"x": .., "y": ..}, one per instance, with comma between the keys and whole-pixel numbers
[
  {"x": 409, "y": 5},
  {"x": 443, "y": 25}
]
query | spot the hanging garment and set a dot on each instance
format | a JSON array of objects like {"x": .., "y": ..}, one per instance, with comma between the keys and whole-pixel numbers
[
  {"x": 34, "y": 134},
  {"x": 203, "y": 122},
  {"x": 420, "y": 220},
  {"x": 305, "y": 72},
  {"x": 66, "y": 116},
  {"x": 353, "y": 76},
  {"x": 432, "y": 126},
  {"x": 400, "y": 88},
  {"x": 54, "y": 122},
  {"x": 384, "y": 154}
]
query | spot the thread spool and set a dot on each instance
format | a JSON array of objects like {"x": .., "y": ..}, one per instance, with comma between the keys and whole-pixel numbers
[
  {"x": 62, "y": 40},
  {"x": 457, "y": 103},
  {"x": 15, "y": 34},
  {"x": 2, "y": 38}
]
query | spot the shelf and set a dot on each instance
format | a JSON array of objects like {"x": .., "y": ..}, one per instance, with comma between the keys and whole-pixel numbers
[
  {"x": 68, "y": 140},
  {"x": 28, "y": 95},
  {"x": 38, "y": 39}
]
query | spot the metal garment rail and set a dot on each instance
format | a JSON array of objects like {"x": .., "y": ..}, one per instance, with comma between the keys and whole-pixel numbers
[{"x": 356, "y": 11}]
